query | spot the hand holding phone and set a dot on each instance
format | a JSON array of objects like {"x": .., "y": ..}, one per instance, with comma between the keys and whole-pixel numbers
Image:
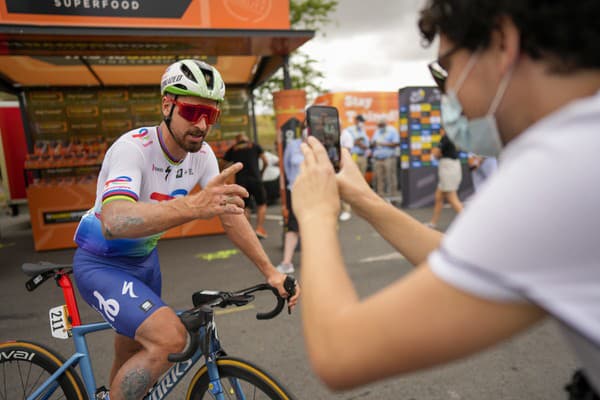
[{"x": 323, "y": 123}]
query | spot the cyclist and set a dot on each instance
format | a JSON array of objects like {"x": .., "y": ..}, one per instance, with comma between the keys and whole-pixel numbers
[
  {"x": 143, "y": 189},
  {"x": 521, "y": 76}
]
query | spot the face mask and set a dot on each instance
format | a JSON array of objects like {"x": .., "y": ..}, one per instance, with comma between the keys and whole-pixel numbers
[{"x": 478, "y": 135}]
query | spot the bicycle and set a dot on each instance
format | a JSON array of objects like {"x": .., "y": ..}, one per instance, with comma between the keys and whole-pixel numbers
[{"x": 32, "y": 371}]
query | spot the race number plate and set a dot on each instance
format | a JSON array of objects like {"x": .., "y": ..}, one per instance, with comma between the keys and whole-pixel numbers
[{"x": 59, "y": 322}]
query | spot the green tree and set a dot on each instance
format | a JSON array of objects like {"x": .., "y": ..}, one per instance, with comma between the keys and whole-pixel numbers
[{"x": 304, "y": 74}]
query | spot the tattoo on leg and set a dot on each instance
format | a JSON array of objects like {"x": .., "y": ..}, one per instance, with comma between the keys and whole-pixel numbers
[{"x": 135, "y": 383}]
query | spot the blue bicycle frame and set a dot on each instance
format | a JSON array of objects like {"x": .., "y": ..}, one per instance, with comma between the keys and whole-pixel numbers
[{"x": 162, "y": 388}]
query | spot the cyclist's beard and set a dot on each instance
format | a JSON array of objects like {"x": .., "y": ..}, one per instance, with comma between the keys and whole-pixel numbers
[{"x": 191, "y": 140}]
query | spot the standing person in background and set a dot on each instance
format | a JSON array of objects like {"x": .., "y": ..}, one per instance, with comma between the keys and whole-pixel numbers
[
  {"x": 346, "y": 142},
  {"x": 449, "y": 177},
  {"x": 384, "y": 143},
  {"x": 292, "y": 159},
  {"x": 360, "y": 142},
  {"x": 520, "y": 77},
  {"x": 250, "y": 177}
]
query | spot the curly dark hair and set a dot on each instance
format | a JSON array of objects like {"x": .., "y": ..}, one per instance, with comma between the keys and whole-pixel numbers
[{"x": 564, "y": 33}]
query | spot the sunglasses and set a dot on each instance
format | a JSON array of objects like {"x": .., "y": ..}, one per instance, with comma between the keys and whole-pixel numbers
[
  {"x": 438, "y": 71},
  {"x": 195, "y": 112}
]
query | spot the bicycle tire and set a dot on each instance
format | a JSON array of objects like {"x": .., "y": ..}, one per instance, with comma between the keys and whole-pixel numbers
[
  {"x": 249, "y": 374},
  {"x": 25, "y": 365}
]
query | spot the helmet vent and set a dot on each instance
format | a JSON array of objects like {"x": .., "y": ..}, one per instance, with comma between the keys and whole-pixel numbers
[
  {"x": 208, "y": 75},
  {"x": 188, "y": 74},
  {"x": 180, "y": 86}
]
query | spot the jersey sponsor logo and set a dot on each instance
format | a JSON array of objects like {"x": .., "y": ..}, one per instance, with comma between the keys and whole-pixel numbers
[
  {"x": 146, "y": 305},
  {"x": 128, "y": 289},
  {"x": 144, "y": 136},
  {"x": 142, "y": 133},
  {"x": 164, "y": 197},
  {"x": 118, "y": 180},
  {"x": 179, "y": 172},
  {"x": 110, "y": 308}
]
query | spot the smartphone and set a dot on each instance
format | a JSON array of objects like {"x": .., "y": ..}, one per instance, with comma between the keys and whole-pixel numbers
[{"x": 323, "y": 123}]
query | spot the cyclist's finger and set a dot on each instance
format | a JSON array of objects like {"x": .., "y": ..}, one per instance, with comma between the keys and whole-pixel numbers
[
  {"x": 232, "y": 190},
  {"x": 233, "y": 200},
  {"x": 226, "y": 174},
  {"x": 232, "y": 209}
]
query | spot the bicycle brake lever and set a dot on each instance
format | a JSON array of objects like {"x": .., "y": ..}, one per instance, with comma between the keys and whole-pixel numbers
[{"x": 290, "y": 287}]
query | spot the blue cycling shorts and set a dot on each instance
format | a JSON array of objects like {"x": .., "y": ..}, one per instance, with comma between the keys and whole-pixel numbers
[{"x": 124, "y": 290}]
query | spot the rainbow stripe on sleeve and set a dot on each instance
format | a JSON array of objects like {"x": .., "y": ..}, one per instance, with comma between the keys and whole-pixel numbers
[{"x": 119, "y": 194}]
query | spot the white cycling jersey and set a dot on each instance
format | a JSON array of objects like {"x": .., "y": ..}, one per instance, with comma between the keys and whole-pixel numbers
[{"x": 138, "y": 167}]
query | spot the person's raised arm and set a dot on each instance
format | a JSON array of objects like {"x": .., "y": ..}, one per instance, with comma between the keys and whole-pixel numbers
[
  {"x": 127, "y": 219},
  {"x": 417, "y": 322},
  {"x": 410, "y": 237}
]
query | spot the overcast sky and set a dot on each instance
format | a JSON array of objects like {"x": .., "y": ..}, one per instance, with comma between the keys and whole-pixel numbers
[{"x": 372, "y": 45}]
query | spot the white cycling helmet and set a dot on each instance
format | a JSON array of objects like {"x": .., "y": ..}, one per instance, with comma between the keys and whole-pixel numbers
[{"x": 193, "y": 78}]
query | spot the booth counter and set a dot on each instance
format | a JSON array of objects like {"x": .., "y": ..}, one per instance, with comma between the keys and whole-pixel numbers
[
  {"x": 55, "y": 211},
  {"x": 85, "y": 75}
]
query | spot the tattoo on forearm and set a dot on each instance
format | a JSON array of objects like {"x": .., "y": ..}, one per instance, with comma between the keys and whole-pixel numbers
[
  {"x": 135, "y": 384},
  {"x": 124, "y": 223}
]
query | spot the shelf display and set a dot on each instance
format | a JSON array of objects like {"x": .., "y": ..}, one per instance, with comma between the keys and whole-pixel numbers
[
  {"x": 71, "y": 129},
  {"x": 420, "y": 132}
]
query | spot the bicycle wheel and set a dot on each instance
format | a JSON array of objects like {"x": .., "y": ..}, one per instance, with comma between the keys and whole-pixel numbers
[
  {"x": 24, "y": 366},
  {"x": 254, "y": 383}
]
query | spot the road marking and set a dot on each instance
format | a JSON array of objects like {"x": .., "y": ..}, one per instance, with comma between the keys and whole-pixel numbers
[
  {"x": 384, "y": 257},
  {"x": 217, "y": 255},
  {"x": 4, "y": 245},
  {"x": 234, "y": 310},
  {"x": 274, "y": 217}
]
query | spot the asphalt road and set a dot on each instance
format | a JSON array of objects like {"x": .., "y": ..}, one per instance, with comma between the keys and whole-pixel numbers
[{"x": 533, "y": 366}]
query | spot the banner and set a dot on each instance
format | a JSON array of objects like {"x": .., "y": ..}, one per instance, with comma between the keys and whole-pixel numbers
[
  {"x": 289, "y": 108},
  {"x": 199, "y": 14},
  {"x": 373, "y": 106}
]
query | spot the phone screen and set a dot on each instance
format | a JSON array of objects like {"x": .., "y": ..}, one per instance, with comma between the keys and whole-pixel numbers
[{"x": 324, "y": 124}]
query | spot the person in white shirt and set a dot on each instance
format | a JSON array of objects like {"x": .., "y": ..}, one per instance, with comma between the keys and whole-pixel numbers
[
  {"x": 525, "y": 248},
  {"x": 346, "y": 142},
  {"x": 145, "y": 188},
  {"x": 360, "y": 142}
]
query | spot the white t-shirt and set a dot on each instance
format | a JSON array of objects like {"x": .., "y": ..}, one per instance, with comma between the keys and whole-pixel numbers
[
  {"x": 346, "y": 139},
  {"x": 137, "y": 167},
  {"x": 531, "y": 234}
]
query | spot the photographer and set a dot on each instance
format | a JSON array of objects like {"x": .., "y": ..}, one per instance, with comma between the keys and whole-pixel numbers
[{"x": 509, "y": 260}]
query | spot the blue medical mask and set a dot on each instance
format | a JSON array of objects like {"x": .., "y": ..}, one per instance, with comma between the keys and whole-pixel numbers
[{"x": 478, "y": 135}]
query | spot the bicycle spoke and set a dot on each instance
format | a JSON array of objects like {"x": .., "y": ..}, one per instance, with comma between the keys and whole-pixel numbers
[
  {"x": 4, "y": 380},
  {"x": 21, "y": 378}
]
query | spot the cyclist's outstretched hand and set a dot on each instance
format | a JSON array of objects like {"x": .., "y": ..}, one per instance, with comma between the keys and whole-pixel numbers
[
  {"x": 218, "y": 197},
  {"x": 277, "y": 280}
]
